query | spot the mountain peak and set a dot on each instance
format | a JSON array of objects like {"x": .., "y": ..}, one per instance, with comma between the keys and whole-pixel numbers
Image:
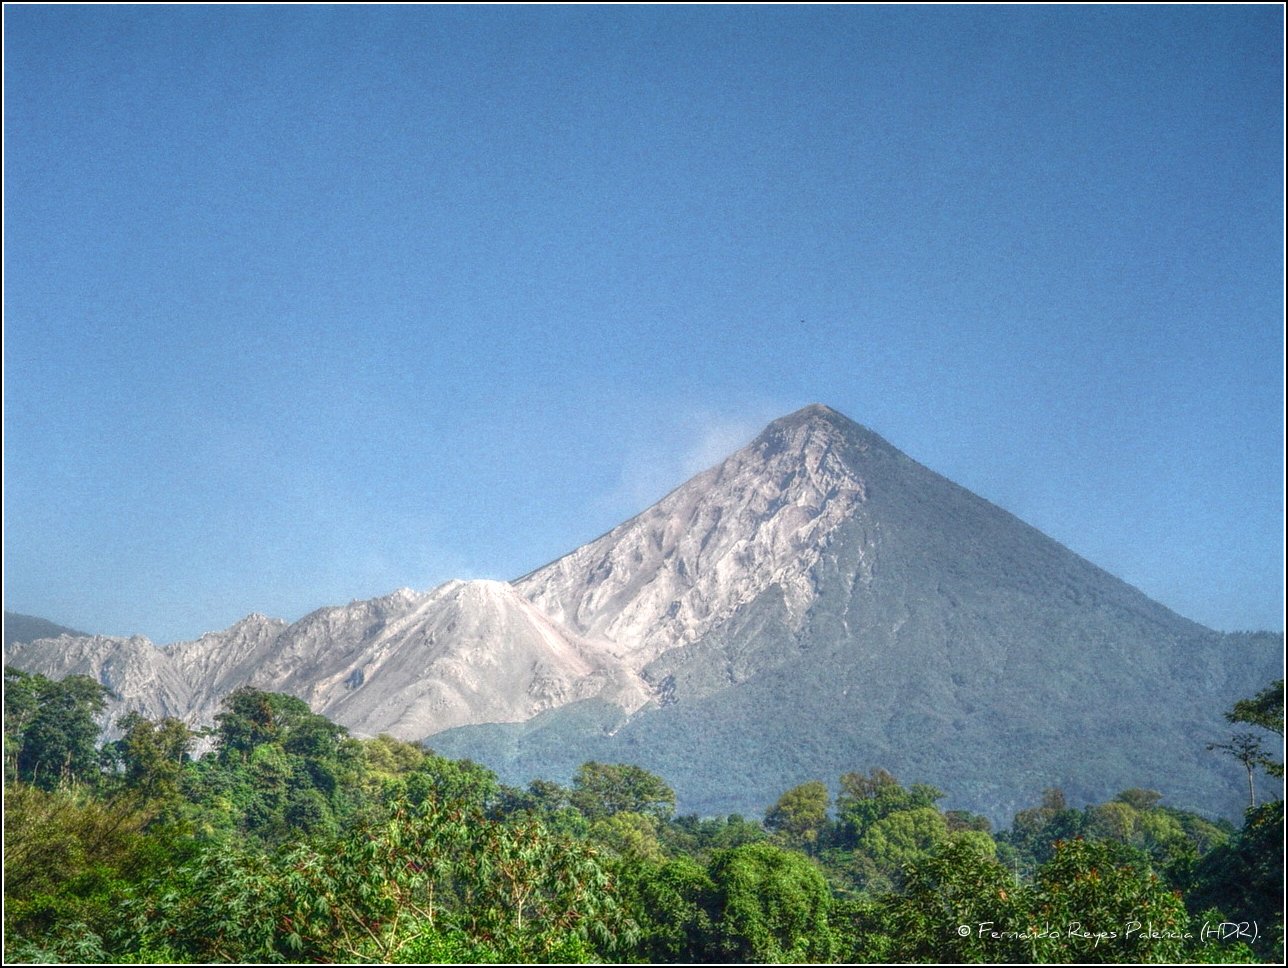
[
  {"x": 755, "y": 522},
  {"x": 816, "y": 418},
  {"x": 814, "y": 411},
  {"x": 820, "y": 425}
]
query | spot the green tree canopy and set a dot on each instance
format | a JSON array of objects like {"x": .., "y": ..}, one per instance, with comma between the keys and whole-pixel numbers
[
  {"x": 800, "y": 814},
  {"x": 153, "y": 754},
  {"x": 772, "y": 906},
  {"x": 601, "y": 790},
  {"x": 866, "y": 799},
  {"x": 55, "y": 730}
]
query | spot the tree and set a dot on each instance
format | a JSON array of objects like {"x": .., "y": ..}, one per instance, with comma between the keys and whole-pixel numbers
[
  {"x": 434, "y": 881},
  {"x": 69, "y": 858},
  {"x": 772, "y": 906},
  {"x": 58, "y": 744},
  {"x": 21, "y": 700},
  {"x": 632, "y": 836},
  {"x": 901, "y": 838},
  {"x": 1109, "y": 907},
  {"x": 1139, "y": 799},
  {"x": 1035, "y": 831},
  {"x": 245, "y": 722},
  {"x": 957, "y": 885},
  {"x": 600, "y": 790},
  {"x": 1247, "y": 749},
  {"x": 250, "y": 718},
  {"x": 1244, "y": 877},
  {"x": 673, "y": 903},
  {"x": 800, "y": 814},
  {"x": 1265, "y": 710},
  {"x": 864, "y": 800},
  {"x": 153, "y": 754}
]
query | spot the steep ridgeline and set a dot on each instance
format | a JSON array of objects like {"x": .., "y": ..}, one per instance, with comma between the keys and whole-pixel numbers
[
  {"x": 28, "y": 628},
  {"x": 818, "y": 603},
  {"x": 466, "y": 652},
  {"x": 760, "y": 520},
  {"x": 836, "y": 606},
  {"x": 408, "y": 664}
]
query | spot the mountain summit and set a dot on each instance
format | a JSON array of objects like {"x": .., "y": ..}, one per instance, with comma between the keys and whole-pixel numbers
[
  {"x": 816, "y": 603},
  {"x": 820, "y": 602},
  {"x": 758, "y": 520}
]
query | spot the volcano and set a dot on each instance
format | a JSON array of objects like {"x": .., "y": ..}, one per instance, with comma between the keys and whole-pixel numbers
[{"x": 817, "y": 603}]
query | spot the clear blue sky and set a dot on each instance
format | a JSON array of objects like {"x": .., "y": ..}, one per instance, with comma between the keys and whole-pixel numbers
[{"x": 303, "y": 305}]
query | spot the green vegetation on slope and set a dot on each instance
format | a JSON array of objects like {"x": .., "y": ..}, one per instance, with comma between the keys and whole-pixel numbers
[
  {"x": 290, "y": 841},
  {"x": 29, "y": 628}
]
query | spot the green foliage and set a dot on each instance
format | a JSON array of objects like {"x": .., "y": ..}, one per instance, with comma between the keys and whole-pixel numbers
[
  {"x": 1244, "y": 877},
  {"x": 279, "y": 770},
  {"x": 153, "y": 755},
  {"x": 959, "y": 906},
  {"x": 673, "y": 904},
  {"x": 69, "y": 860},
  {"x": 21, "y": 700},
  {"x": 633, "y": 836},
  {"x": 50, "y": 728},
  {"x": 251, "y": 719},
  {"x": 1138, "y": 799},
  {"x": 772, "y": 906},
  {"x": 600, "y": 790},
  {"x": 384, "y": 761},
  {"x": 1035, "y": 831},
  {"x": 800, "y": 815},
  {"x": 900, "y": 838},
  {"x": 1109, "y": 907},
  {"x": 699, "y": 836},
  {"x": 429, "y": 880},
  {"x": 865, "y": 800},
  {"x": 964, "y": 820},
  {"x": 291, "y": 842},
  {"x": 1174, "y": 840},
  {"x": 1265, "y": 709},
  {"x": 1092, "y": 902}
]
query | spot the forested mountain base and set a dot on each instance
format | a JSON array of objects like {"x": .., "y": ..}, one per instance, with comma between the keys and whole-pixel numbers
[{"x": 289, "y": 841}]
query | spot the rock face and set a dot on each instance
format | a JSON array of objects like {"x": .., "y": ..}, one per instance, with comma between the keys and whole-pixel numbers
[
  {"x": 134, "y": 669},
  {"x": 409, "y": 663},
  {"x": 467, "y": 652},
  {"x": 667, "y": 577},
  {"x": 817, "y": 603}
]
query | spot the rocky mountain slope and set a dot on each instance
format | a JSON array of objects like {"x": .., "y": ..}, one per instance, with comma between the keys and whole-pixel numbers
[
  {"x": 916, "y": 627},
  {"x": 669, "y": 576},
  {"x": 817, "y": 603},
  {"x": 409, "y": 663}
]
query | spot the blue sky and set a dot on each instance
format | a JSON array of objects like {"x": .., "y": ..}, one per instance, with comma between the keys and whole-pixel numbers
[{"x": 305, "y": 304}]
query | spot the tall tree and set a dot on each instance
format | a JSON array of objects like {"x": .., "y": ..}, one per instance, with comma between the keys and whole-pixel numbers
[
  {"x": 1266, "y": 710},
  {"x": 800, "y": 814},
  {"x": 601, "y": 790},
  {"x": 153, "y": 754},
  {"x": 1247, "y": 749},
  {"x": 772, "y": 906},
  {"x": 58, "y": 744}
]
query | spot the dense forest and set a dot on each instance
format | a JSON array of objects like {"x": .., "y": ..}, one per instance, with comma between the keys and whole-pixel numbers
[{"x": 277, "y": 837}]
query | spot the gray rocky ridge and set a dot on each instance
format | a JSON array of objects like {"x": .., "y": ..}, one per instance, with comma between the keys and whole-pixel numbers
[
  {"x": 670, "y": 575},
  {"x": 415, "y": 663}
]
